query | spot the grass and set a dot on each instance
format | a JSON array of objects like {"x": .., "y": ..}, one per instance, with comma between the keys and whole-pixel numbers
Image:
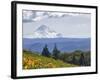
[{"x": 37, "y": 61}]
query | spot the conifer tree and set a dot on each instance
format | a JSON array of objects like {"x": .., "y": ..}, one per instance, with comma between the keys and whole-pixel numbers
[
  {"x": 45, "y": 51},
  {"x": 82, "y": 59},
  {"x": 55, "y": 52}
]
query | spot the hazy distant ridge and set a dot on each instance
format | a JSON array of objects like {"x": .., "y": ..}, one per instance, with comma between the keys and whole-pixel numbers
[{"x": 63, "y": 44}]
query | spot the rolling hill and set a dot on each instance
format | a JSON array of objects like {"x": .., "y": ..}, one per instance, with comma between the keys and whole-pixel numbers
[{"x": 36, "y": 61}]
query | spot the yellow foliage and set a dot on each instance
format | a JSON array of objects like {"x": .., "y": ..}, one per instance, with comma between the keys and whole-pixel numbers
[
  {"x": 32, "y": 61},
  {"x": 26, "y": 67}
]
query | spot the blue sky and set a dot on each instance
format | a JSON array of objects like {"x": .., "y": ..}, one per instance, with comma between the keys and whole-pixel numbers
[{"x": 73, "y": 25}]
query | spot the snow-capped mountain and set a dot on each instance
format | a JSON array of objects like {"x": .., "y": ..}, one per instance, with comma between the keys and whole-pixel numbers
[{"x": 44, "y": 32}]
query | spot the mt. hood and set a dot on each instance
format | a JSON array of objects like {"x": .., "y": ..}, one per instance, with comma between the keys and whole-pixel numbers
[{"x": 44, "y": 32}]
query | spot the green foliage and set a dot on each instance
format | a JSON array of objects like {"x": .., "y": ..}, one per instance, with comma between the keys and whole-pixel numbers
[
  {"x": 82, "y": 59},
  {"x": 55, "y": 52},
  {"x": 73, "y": 59},
  {"x": 32, "y": 60},
  {"x": 77, "y": 57},
  {"x": 46, "y": 52},
  {"x": 87, "y": 56},
  {"x": 55, "y": 59}
]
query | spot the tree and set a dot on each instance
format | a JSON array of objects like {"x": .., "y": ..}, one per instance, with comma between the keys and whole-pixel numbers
[
  {"x": 73, "y": 59},
  {"x": 82, "y": 60},
  {"x": 45, "y": 51},
  {"x": 55, "y": 52}
]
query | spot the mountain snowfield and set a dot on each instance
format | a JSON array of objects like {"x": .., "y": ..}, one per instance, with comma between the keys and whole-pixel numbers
[{"x": 44, "y": 32}]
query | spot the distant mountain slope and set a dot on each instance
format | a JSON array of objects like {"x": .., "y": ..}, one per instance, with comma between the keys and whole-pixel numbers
[{"x": 63, "y": 44}]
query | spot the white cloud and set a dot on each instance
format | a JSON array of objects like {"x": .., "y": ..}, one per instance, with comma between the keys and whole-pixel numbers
[
  {"x": 29, "y": 15},
  {"x": 68, "y": 24},
  {"x": 38, "y": 18},
  {"x": 56, "y": 14},
  {"x": 40, "y": 13}
]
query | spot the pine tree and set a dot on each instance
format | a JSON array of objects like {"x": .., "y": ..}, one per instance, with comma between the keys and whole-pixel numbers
[
  {"x": 55, "y": 52},
  {"x": 45, "y": 51},
  {"x": 82, "y": 60}
]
